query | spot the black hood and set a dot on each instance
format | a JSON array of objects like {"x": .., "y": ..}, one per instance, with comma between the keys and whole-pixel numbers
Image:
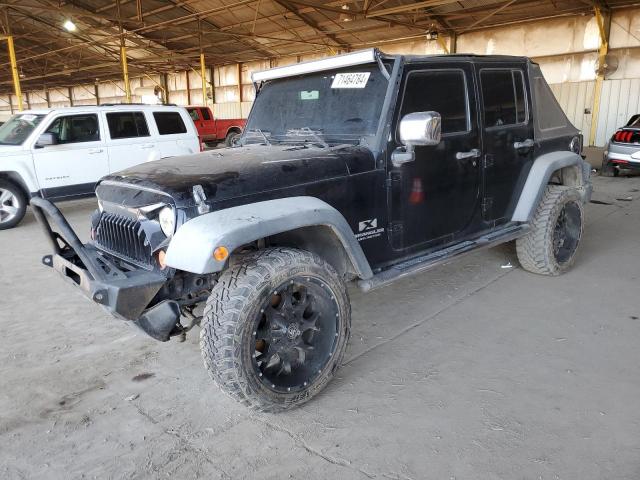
[{"x": 233, "y": 172}]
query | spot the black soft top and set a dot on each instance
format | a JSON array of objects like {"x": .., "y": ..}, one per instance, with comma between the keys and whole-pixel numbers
[
  {"x": 470, "y": 57},
  {"x": 550, "y": 121}
]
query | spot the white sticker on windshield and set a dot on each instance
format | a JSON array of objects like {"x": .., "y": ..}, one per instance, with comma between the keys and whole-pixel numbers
[
  {"x": 350, "y": 80},
  {"x": 28, "y": 118}
]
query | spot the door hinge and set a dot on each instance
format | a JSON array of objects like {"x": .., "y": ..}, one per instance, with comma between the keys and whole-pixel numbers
[
  {"x": 395, "y": 232},
  {"x": 488, "y": 160},
  {"x": 487, "y": 204},
  {"x": 393, "y": 178}
]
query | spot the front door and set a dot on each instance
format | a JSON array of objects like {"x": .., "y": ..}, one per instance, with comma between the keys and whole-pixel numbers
[
  {"x": 507, "y": 138},
  {"x": 78, "y": 160},
  {"x": 433, "y": 198},
  {"x": 208, "y": 124}
]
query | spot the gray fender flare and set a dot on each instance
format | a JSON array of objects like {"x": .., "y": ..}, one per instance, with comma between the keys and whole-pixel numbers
[
  {"x": 191, "y": 248},
  {"x": 543, "y": 168}
]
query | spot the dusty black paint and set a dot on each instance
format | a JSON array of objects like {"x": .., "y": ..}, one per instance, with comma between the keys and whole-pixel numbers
[{"x": 457, "y": 197}]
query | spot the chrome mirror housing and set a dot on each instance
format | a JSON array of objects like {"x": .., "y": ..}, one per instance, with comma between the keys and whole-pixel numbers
[
  {"x": 418, "y": 128},
  {"x": 421, "y": 128}
]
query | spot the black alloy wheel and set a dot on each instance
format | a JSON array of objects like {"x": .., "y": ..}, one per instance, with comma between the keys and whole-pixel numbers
[
  {"x": 296, "y": 334},
  {"x": 567, "y": 232}
]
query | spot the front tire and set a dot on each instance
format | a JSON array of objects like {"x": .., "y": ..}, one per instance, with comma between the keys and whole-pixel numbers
[
  {"x": 231, "y": 139},
  {"x": 275, "y": 328},
  {"x": 13, "y": 204},
  {"x": 556, "y": 230}
]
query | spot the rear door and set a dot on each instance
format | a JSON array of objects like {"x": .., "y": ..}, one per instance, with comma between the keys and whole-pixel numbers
[
  {"x": 77, "y": 162},
  {"x": 507, "y": 138},
  {"x": 434, "y": 198},
  {"x": 130, "y": 142},
  {"x": 173, "y": 136}
]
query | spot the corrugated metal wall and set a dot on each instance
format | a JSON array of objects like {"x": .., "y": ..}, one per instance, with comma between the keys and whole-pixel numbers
[
  {"x": 619, "y": 101},
  {"x": 576, "y": 99}
]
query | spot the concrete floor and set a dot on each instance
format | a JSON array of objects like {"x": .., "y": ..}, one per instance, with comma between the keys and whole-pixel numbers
[{"x": 476, "y": 370}]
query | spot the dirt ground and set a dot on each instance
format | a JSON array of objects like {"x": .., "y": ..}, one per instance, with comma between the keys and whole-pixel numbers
[{"x": 475, "y": 370}]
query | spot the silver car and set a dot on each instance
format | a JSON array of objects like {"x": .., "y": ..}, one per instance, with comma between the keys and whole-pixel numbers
[{"x": 623, "y": 150}]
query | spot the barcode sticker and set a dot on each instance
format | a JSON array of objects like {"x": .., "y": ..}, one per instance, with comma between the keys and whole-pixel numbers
[{"x": 350, "y": 80}]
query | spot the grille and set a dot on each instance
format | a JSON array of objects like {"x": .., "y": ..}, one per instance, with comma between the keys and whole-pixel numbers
[{"x": 124, "y": 237}]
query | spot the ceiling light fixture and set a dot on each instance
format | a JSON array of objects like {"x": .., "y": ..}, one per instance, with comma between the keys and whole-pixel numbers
[
  {"x": 69, "y": 26},
  {"x": 345, "y": 17}
]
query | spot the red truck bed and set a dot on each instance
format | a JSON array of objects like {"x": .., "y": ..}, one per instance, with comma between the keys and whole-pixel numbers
[{"x": 211, "y": 129}]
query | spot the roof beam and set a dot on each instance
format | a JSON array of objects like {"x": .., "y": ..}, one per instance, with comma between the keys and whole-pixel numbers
[
  {"x": 291, "y": 8},
  {"x": 491, "y": 14},
  {"x": 409, "y": 7}
]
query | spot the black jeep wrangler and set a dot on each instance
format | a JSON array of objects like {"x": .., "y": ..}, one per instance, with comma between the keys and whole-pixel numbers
[{"x": 362, "y": 167}]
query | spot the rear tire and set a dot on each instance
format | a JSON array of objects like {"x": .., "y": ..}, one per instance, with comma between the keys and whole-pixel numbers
[
  {"x": 608, "y": 170},
  {"x": 231, "y": 138},
  {"x": 275, "y": 328},
  {"x": 13, "y": 204},
  {"x": 556, "y": 230}
]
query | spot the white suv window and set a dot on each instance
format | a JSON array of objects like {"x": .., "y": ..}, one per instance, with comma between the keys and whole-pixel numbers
[
  {"x": 127, "y": 125},
  {"x": 75, "y": 128},
  {"x": 169, "y": 123}
]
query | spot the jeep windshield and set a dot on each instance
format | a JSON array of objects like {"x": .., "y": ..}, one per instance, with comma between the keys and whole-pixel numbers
[
  {"x": 322, "y": 108},
  {"x": 18, "y": 128}
]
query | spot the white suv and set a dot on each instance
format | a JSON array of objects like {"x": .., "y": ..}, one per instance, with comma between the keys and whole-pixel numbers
[{"x": 61, "y": 153}]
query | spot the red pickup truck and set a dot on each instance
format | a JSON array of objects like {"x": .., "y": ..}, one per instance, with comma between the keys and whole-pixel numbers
[{"x": 212, "y": 129}]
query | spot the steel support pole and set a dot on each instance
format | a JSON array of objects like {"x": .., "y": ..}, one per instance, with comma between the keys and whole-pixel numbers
[
  {"x": 125, "y": 73},
  {"x": 123, "y": 55},
  {"x": 14, "y": 72},
  {"x": 443, "y": 44},
  {"x": 603, "y": 27},
  {"x": 203, "y": 76},
  {"x": 188, "y": 87}
]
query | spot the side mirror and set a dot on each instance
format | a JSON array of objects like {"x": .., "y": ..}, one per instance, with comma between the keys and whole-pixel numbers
[
  {"x": 421, "y": 128},
  {"x": 46, "y": 139},
  {"x": 418, "y": 128}
]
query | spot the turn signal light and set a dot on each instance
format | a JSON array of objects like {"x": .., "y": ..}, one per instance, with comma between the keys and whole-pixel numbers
[
  {"x": 220, "y": 254},
  {"x": 162, "y": 259}
]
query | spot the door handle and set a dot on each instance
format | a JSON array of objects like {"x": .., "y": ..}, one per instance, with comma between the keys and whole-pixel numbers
[
  {"x": 474, "y": 153},
  {"x": 528, "y": 143},
  {"x": 95, "y": 150},
  {"x": 147, "y": 145}
]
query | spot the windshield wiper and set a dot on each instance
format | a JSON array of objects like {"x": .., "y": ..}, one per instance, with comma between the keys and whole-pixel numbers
[
  {"x": 307, "y": 132},
  {"x": 259, "y": 132}
]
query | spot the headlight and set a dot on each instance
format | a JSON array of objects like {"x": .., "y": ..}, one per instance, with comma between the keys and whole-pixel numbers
[
  {"x": 576, "y": 145},
  {"x": 167, "y": 220}
]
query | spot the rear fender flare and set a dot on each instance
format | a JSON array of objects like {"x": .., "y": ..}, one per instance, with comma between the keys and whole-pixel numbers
[
  {"x": 570, "y": 169},
  {"x": 191, "y": 248}
]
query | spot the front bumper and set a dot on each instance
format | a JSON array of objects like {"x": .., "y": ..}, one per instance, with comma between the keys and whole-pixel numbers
[{"x": 124, "y": 294}]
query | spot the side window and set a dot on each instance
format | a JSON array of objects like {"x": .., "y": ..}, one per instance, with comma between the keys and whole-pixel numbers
[
  {"x": 194, "y": 114},
  {"x": 205, "y": 114},
  {"x": 503, "y": 96},
  {"x": 424, "y": 91},
  {"x": 169, "y": 123},
  {"x": 127, "y": 125},
  {"x": 75, "y": 128}
]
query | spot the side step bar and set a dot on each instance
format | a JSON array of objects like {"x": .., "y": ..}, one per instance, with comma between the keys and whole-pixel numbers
[{"x": 426, "y": 262}]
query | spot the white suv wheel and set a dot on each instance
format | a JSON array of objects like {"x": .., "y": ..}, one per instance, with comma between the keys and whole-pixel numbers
[{"x": 9, "y": 205}]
